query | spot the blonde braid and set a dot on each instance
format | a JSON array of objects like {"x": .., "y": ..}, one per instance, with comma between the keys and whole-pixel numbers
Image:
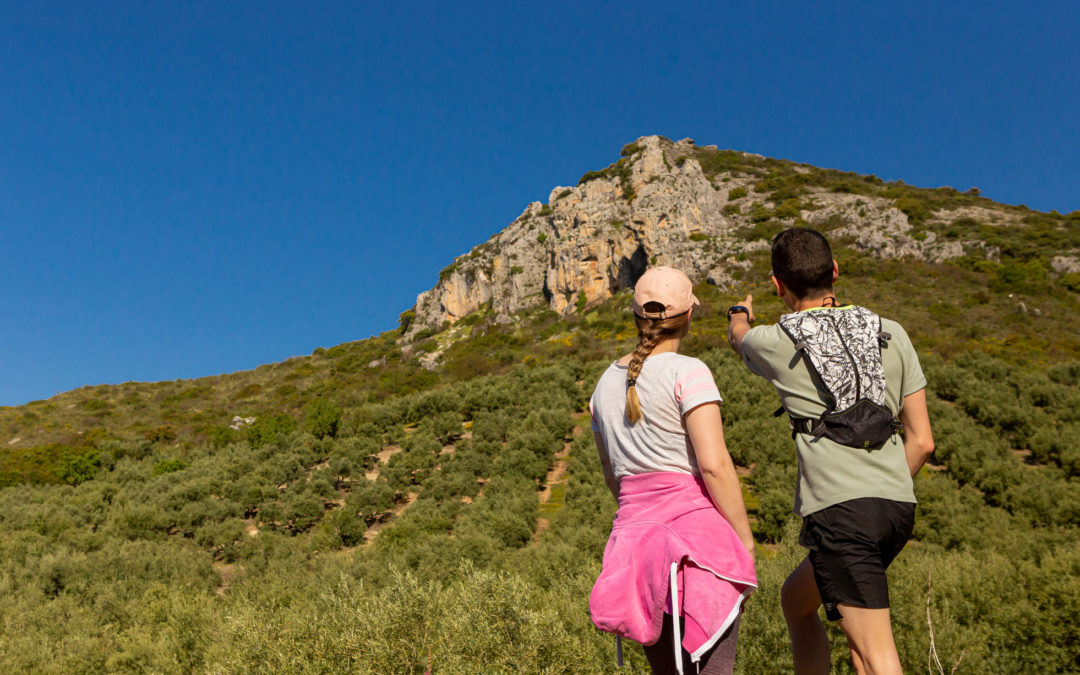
[{"x": 648, "y": 337}]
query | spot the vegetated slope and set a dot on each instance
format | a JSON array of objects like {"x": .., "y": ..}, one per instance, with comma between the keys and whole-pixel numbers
[{"x": 162, "y": 540}]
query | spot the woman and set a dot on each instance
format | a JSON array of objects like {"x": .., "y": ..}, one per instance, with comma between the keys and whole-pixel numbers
[{"x": 680, "y": 544}]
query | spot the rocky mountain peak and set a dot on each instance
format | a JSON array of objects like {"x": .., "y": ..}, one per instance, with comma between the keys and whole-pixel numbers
[
  {"x": 593, "y": 239},
  {"x": 695, "y": 208}
]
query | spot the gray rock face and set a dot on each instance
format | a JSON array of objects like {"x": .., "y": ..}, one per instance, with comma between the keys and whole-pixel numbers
[
  {"x": 878, "y": 227},
  {"x": 591, "y": 240},
  {"x": 656, "y": 206},
  {"x": 1065, "y": 264}
]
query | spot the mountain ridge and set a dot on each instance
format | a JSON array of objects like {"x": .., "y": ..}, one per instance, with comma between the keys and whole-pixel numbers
[{"x": 703, "y": 210}]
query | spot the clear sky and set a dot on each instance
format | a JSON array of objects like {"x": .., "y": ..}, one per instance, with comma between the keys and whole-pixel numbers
[{"x": 191, "y": 188}]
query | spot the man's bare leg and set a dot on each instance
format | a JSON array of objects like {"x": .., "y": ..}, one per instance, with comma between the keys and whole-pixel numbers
[
  {"x": 870, "y": 638},
  {"x": 800, "y": 599}
]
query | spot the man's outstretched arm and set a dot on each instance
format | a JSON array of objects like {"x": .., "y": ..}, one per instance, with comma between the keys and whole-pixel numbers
[
  {"x": 918, "y": 438},
  {"x": 740, "y": 325}
]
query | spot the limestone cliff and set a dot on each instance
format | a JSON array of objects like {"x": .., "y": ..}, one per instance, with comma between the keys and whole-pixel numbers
[{"x": 673, "y": 203}]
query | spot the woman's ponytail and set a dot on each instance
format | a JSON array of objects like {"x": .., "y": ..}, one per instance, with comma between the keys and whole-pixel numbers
[
  {"x": 650, "y": 333},
  {"x": 647, "y": 340}
]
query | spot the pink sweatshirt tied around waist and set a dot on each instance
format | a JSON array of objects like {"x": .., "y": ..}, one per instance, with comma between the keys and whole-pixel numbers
[{"x": 667, "y": 521}]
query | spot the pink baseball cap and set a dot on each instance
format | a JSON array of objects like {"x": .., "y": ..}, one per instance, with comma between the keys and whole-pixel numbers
[{"x": 667, "y": 286}]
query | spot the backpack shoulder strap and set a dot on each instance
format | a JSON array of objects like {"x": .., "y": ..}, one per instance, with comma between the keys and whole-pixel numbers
[{"x": 882, "y": 336}]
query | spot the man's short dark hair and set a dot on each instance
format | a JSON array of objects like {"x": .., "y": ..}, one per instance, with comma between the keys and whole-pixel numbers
[{"x": 803, "y": 261}]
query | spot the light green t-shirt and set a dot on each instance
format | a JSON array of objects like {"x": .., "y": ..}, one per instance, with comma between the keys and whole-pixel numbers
[{"x": 830, "y": 473}]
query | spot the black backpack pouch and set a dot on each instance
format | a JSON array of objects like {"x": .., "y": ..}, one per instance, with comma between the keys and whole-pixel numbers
[{"x": 865, "y": 425}]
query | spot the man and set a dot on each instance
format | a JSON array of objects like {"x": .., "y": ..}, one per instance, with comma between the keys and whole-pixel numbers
[{"x": 855, "y": 472}]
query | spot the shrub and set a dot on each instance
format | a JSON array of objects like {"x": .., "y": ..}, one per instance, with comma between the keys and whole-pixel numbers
[
  {"x": 738, "y": 193},
  {"x": 169, "y": 466},
  {"x": 1022, "y": 277},
  {"x": 1065, "y": 373},
  {"x": 349, "y": 526},
  {"x": 446, "y": 426},
  {"x": 490, "y": 426},
  {"x": 77, "y": 469},
  {"x": 370, "y": 500},
  {"x": 94, "y": 405},
  {"x": 302, "y": 511},
  {"x": 221, "y": 436},
  {"x": 759, "y": 213},
  {"x": 789, "y": 208},
  {"x": 914, "y": 208},
  {"x": 248, "y": 392},
  {"x": 322, "y": 417},
  {"x": 448, "y": 271},
  {"x": 268, "y": 429},
  {"x": 833, "y": 222},
  {"x": 961, "y": 227},
  {"x": 162, "y": 434}
]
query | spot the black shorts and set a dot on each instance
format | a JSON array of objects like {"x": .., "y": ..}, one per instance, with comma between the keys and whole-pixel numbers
[{"x": 851, "y": 544}]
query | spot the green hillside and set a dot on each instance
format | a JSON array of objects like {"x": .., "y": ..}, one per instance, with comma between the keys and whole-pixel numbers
[{"x": 381, "y": 517}]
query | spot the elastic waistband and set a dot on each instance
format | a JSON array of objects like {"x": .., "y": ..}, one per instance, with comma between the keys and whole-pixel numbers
[{"x": 659, "y": 481}]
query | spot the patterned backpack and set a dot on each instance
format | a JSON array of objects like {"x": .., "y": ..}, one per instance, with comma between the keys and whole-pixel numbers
[{"x": 842, "y": 348}]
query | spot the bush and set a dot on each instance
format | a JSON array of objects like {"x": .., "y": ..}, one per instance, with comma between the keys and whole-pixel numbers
[
  {"x": 322, "y": 418},
  {"x": 350, "y": 527},
  {"x": 162, "y": 434},
  {"x": 269, "y": 429},
  {"x": 219, "y": 437},
  {"x": 914, "y": 208},
  {"x": 302, "y": 511},
  {"x": 789, "y": 208},
  {"x": 1071, "y": 281},
  {"x": 1021, "y": 277},
  {"x": 169, "y": 466},
  {"x": 248, "y": 391},
  {"x": 77, "y": 469},
  {"x": 759, "y": 213},
  {"x": 738, "y": 193}
]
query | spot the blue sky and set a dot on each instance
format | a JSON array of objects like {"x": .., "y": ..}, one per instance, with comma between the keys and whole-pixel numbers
[{"x": 195, "y": 188}]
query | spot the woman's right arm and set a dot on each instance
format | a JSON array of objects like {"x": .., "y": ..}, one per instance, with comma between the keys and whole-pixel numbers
[
  {"x": 706, "y": 429},
  {"x": 605, "y": 463}
]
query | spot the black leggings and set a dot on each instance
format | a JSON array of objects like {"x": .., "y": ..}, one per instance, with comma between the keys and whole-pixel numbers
[{"x": 720, "y": 660}]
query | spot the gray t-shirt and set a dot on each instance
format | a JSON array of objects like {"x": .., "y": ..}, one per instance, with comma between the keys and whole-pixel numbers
[
  {"x": 830, "y": 473},
  {"x": 669, "y": 386}
]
